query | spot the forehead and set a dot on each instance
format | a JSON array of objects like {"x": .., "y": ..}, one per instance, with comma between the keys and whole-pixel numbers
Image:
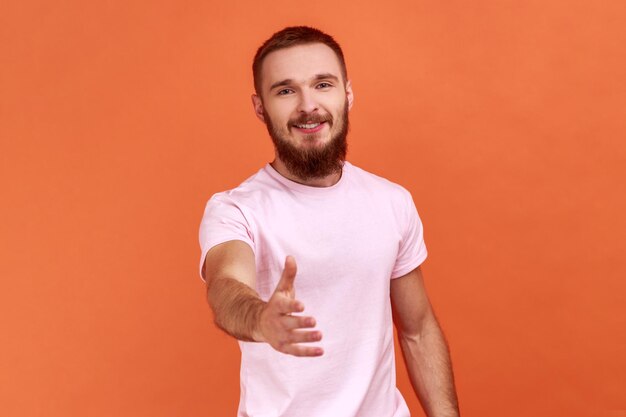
[{"x": 299, "y": 63}]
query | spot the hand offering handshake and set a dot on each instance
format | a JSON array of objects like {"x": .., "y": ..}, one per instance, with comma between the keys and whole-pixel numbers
[{"x": 282, "y": 330}]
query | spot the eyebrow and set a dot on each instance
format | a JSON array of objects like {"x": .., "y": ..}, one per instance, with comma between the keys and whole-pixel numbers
[{"x": 289, "y": 81}]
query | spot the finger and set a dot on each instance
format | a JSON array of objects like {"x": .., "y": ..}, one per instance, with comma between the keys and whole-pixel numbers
[
  {"x": 298, "y": 322},
  {"x": 286, "y": 305},
  {"x": 304, "y": 336},
  {"x": 292, "y": 338},
  {"x": 288, "y": 276},
  {"x": 299, "y": 350},
  {"x": 295, "y": 337}
]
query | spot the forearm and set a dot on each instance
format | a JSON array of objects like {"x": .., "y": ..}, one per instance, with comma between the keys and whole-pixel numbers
[
  {"x": 236, "y": 308},
  {"x": 428, "y": 363}
]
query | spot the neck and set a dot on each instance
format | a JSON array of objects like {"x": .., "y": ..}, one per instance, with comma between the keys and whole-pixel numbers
[{"x": 327, "y": 181}]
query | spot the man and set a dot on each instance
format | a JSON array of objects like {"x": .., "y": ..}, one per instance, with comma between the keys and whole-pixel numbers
[{"x": 311, "y": 230}]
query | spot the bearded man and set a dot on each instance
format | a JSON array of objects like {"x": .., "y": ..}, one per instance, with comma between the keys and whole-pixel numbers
[{"x": 312, "y": 230}]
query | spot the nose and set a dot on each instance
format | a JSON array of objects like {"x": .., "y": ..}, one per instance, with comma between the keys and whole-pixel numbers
[{"x": 307, "y": 103}]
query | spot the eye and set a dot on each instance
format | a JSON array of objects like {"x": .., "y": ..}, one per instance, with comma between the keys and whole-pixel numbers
[
  {"x": 324, "y": 85},
  {"x": 284, "y": 92}
]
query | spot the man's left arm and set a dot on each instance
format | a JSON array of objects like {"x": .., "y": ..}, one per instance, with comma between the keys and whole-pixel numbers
[{"x": 423, "y": 345}]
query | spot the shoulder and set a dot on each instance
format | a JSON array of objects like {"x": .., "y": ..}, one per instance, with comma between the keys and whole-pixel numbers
[{"x": 249, "y": 193}]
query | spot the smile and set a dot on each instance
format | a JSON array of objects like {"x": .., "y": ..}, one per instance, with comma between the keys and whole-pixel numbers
[{"x": 309, "y": 127}]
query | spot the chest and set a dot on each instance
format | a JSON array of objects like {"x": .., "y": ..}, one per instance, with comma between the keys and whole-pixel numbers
[{"x": 341, "y": 246}]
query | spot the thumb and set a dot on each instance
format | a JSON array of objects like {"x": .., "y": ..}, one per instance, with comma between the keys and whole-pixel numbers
[{"x": 289, "y": 275}]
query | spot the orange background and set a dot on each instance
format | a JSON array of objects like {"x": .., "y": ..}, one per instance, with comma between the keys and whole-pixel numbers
[{"x": 505, "y": 119}]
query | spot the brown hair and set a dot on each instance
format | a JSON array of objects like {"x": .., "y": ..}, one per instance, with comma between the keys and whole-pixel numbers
[{"x": 293, "y": 36}]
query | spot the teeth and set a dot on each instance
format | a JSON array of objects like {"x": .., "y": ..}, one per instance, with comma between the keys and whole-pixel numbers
[{"x": 309, "y": 126}]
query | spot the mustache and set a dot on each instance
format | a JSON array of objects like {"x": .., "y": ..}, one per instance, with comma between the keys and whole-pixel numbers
[{"x": 311, "y": 118}]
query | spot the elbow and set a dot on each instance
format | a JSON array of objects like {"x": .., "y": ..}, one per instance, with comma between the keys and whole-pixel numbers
[{"x": 414, "y": 331}]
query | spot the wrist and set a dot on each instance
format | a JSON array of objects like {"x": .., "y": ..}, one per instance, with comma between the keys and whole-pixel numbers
[{"x": 257, "y": 329}]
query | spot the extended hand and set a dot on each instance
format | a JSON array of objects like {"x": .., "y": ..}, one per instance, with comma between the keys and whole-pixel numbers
[{"x": 281, "y": 329}]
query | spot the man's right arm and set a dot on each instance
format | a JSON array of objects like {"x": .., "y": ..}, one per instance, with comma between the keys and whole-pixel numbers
[{"x": 231, "y": 276}]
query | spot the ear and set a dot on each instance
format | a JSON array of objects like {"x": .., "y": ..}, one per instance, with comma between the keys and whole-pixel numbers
[
  {"x": 349, "y": 94},
  {"x": 257, "y": 104}
]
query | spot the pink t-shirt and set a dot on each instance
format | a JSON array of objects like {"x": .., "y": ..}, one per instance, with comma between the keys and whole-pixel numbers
[{"x": 349, "y": 240}]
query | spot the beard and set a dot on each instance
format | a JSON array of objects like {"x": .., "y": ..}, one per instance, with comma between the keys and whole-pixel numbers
[{"x": 312, "y": 162}]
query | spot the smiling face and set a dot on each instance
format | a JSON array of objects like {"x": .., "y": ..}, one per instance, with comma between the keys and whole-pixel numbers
[{"x": 304, "y": 102}]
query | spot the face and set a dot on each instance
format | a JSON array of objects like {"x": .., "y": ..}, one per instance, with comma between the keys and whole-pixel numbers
[{"x": 304, "y": 103}]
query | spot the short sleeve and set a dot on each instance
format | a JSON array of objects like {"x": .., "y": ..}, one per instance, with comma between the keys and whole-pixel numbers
[
  {"x": 412, "y": 250},
  {"x": 223, "y": 220}
]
